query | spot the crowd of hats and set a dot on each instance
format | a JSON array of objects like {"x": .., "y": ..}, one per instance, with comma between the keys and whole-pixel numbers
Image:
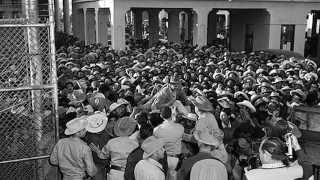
[{"x": 226, "y": 78}]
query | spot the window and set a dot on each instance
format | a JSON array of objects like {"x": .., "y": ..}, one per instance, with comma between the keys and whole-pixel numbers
[
  {"x": 1, "y": 15},
  {"x": 287, "y": 37}
]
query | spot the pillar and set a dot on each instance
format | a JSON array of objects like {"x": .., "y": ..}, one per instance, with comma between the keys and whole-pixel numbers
[
  {"x": 212, "y": 26},
  {"x": 66, "y": 16},
  {"x": 194, "y": 28},
  {"x": 96, "y": 16},
  {"x": 85, "y": 26},
  {"x": 299, "y": 38},
  {"x": 173, "y": 23},
  {"x": 101, "y": 25},
  {"x": 90, "y": 25},
  {"x": 202, "y": 25},
  {"x": 275, "y": 31},
  {"x": 137, "y": 23},
  {"x": 153, "y": 26},
  {"x": 57, "y": 15},
  {"x": 184, "y": 28},
  {"x": 190, "y": 26},
  {"x": 118, "y": 27}
]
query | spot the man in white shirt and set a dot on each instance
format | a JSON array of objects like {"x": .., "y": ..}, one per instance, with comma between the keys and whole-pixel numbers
[
  {"x": 149, "y": 168},
  {"x": 173, "y": 132}
]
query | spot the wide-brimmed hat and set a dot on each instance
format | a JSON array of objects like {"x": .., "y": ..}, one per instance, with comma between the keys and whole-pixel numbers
[
  {"x": 125, "y": 126},
  {"x": 97, "y": 122},
  {"x": 190, "y": 116},
  {"x": 240, "y": 93},
  {"x": 202, "y": 103},
  {"x": 298, "y": 92},
  {"x": 98, "y": 101},
  {"x": 206, "y": 138},
  {"x": 151, "y": 145},
  {"x": 117, "y": 104},
  {"x": 76, "y": 125},
  {"x": 224, "y": 102},
  {"x": 248, "y": 105}
]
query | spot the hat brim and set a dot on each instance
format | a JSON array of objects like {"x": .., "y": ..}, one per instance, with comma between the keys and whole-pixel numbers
[
  {"x": 202, "y": 107},
  {"x": 121, "y": 132},
  {"x": 97, "y": 129},
  {"x": 214, "y": 143},
  {"x": 118, "y": 105},
  {"x": 71, "y": 131}
]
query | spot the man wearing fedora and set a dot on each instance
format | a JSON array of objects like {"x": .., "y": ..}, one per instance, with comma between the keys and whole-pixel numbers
[
  {"x": 150, "y": 167},
  {"x": 72, "y": 155},
  {"x": 206, "y": 143}
]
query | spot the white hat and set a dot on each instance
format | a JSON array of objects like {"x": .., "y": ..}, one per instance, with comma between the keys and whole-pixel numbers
[
  {"x": 117, "y": 104},
  {"x": 206, "y": 138},
  {"x": 248, "y": 105},
  {"x": 76, "y": 125},
  {"x": 191, "y": 116},
  {"x": 97, "y": 122}
]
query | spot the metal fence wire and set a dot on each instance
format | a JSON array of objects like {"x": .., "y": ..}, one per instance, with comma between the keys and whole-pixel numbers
[{"x": 28, "y": 94}]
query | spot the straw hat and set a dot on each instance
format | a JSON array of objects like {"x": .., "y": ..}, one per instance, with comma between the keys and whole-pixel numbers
[
  {"x": 125, "y": 126},
  {"x": 298, "y": 92},
  {"x": 190, "y": 116},
  {"x": 76, "y": 125},
  {"x": 202, "y": 103},
  {"x": 151, "y": 145},
  {"x": 205, "y": 138},
  {"x": 248, "y": 105},
  {"x": 97, "y": 122},
  {"x": 117, "y": 104}
]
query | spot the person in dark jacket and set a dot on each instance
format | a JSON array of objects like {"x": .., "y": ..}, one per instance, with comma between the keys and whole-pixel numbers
[{"x": 136, "y": 155}]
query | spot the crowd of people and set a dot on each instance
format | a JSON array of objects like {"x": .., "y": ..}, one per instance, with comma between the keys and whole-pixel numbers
[{"x": 176, "y": 112}]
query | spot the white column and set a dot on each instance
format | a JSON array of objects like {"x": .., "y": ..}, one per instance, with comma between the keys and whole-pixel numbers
[
  {"x": 202, "y": 25},
  {"x": 66, "y": 16},
  {"x": 118, "y": 27},
  {"x": 57, "y": 15},
  {"x": 96, "y": 16},
  {"x": 194, "y": 28},
  {"x": 153, "y": 26},
  {"x": 85, "y": 26},
  {"x": 173, "y": 23}
]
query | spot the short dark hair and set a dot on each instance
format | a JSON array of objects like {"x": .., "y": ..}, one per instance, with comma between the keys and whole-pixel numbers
[
  {"x": 155, "y": 119},
  {"x": 142, "y": 118},
  {"x": 166, "y": 112},
  {"x": 277, "y": 149},
  {"x": 146, "y": 130}
]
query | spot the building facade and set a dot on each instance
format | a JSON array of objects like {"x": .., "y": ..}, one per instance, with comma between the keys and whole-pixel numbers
[{"x": 252, "y": 24}]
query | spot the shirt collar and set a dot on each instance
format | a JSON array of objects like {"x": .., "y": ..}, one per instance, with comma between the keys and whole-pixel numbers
[
  {"x": 271, "y": 166},
  {"x": 155, "y": 163}
]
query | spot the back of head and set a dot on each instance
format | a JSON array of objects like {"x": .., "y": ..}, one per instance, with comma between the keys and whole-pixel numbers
[
  {"x": 166, "y": 112},
  {"x": 142, "y": 118},
  {"x": 155, "y": 119},
  {"x": 277, "y": 149},
  {"x": 208, "y": 169},
  {"x": 146, "y": 130}
]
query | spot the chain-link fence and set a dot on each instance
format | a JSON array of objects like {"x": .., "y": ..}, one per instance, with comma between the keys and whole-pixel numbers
[{"x": 28, "y": 93}]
